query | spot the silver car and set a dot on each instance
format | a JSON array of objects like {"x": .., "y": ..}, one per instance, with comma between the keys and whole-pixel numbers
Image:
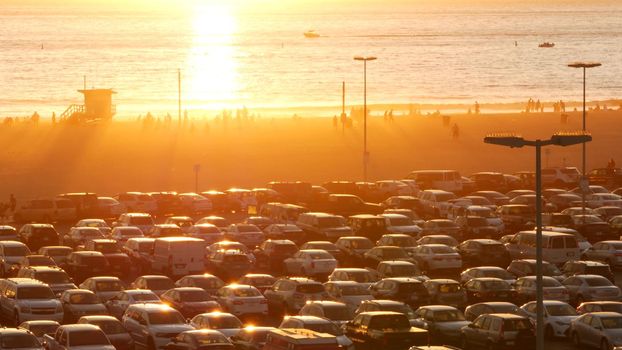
[
  {"x": 598, "y": 329},
  {"x": 441, "y": 321},
  {"x": 591, "y": 288},
  {"x": 607, "y": 251}
]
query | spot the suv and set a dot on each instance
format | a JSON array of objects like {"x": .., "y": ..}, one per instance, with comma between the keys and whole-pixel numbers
[
  {"x": 381, "y": 328},
  {"x": 139, "y": 250},
  {"x": 11, "y": 252},
  {"x": 36, "y": 236},
  {"x": 153, "y": 325},
  {"x": 435, "y": 203},
  {"x": 583, "y": 267},
  {"x": 289, "y": 295},
  {"x": 84, "y": 264},
  {"x": 323, "y": 226},
  {"x": 407, "y": 290},
  {"x": 495, "y": 331},
  {"x": 118, "y": 261},
  {"x": 55, "y": 277},
  {"x": 25, "y": 299},
  {"x": 565, "y": 177}
]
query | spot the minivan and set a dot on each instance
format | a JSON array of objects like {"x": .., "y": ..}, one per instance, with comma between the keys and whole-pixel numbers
[
  {"x": 557, "y": 248},
  {"x": 447, "y": 180}
]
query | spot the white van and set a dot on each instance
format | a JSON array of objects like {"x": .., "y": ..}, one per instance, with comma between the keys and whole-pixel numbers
[
  {"x": 557, "y": 247},
  {"x": 178, "y": 256},
  {"x": 447, "y": 180}
]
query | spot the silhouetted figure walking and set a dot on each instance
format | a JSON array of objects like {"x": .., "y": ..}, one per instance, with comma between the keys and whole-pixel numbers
[
  {"x": 455, "y": 131},
  {"x": 476, "y": 107}
]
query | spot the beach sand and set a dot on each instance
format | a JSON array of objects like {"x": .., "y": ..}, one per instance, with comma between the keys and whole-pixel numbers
[{"x": 44, "y": 160}]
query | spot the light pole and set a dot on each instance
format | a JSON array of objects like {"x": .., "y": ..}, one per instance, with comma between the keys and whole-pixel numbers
[
  {"x": 583, "y": 184},
  {"x": 558, "y": 139},
  {"x": 365, "y": 153}
]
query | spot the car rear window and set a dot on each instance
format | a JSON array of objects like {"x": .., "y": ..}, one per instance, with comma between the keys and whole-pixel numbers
[
  {"x": 310, "y": 288},
  {"x": 597, "y": 282},
  {"x": 19, "y": 341},
  {"x": 516, "y": 325},
  {"x": 597, "y": 270},
  {"x": 141, "y": 220},
  {"x": 411, "y": 287},
  {"x": 396, "y": 322}
]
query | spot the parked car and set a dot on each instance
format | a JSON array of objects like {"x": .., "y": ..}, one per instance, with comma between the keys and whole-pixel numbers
[
  {"x": 349, "y": 292},
  {"x": 375, "y": 328},
  {"x": 288, "y": 295},
  {"x": 209, "y": 283},
  {"x": 591, "y": 288},
  {"x": 437, "y": 257},
  {"x": 487, "y": 271},
  {"x": 408, "y": 290},
  {"x": 335, "y": 311},
  {"x": 76, "y": 337},
  {"x": 484, "y": 289},
  {"x": 595, "y": 306},
  {"x": 552, "y": 289},
  {"x": 609, "y": 252},
  {"x": 36, "y": 236},
  {"x": 242, "y": 300},
  {"x": 155, "y": 283},
  {"x": 353, "y": 249},
  {"x": 190, "y": 301},
  {"x": 597, "y": 329},
  {"x": 443, "y": 323},
  {"x": 557, "y": 317},
  {"x": 118, "y": 304},
  {"x": 196, "y": 340},
  {"x": 446, "y": 292},
  {"x": 317, "y": 324},
  {"x": 224, "y": 322},
  {"x": 84, "y": 264},
  {"x": 152, "y": 326},
  {"x": 251, "y": 338},
  {"x": 489, "y": 307},
  {"x": 80, "y": 302},
  {"x": 499, "y": 330},
  {"x": 483, "y": 252},
  {"x": 119, "y": 337},
  {"x": 586, "y": 267}
]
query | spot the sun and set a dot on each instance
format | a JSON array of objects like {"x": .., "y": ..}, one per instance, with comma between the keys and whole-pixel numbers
[{"x": 212, "y": 64}]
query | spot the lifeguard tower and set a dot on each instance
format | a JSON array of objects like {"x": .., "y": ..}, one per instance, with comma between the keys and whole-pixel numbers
[{"x": 97, "y": 106}]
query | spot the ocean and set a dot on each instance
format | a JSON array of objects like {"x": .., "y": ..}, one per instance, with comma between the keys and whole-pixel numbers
[{"x": 230, "y": 59}]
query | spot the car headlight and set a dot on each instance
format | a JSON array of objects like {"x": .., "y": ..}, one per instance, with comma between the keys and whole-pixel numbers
[{"x": 24, "y": 309}]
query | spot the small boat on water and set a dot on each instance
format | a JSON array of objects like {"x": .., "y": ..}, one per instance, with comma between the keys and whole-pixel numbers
[
  {"x": 547, "y": 44},
  {"x": 311, "y": 34}
]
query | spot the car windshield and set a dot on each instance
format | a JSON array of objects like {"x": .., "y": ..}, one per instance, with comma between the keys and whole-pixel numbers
[
  {"x": 448, "y": 316},
  {"x": 166, "y": 317},
  {"x": 516, "y": 325},
  {"x": 361, "y": 244},
  {"x": 16, "y": 251},
  {"x": 145, "y": 297},
  {"x": 58, "y": 251},
  {"x": 40, "y": 329},
  {"x": 354, "y": 290},
  {"x": 84, "y": 298},
  {"x": 597, "y": 282},
  {"x": 405, "y": 271},
  {"x": 561, "y": 310},
  {"x": 505, "y": 308},
  {"x": 327, "y": 327},
  {"x": 142, "y": 220},
  {"x": 88, "y": 337},
  {"x": 360, "y": 276},
  {"x": 94, "y": 260},
  {"x": 612, "y": 307},
  {"x": 389, "y": 322},
  {"x": 320, "y": 255},
  {"x": 611, "y": 322},
  {"x": 108, "y": 286},
  {"x": 246, "y": 292},
  {"x": 110, "y": 327},
  {"x": 496, "y": 285},
  {"x": 106, "y": 248},
  {"x": 53, "y": 277},
  {"x": 17, "y": 341},
  {"x": 208, "y": 283},
  {"x": 94, "y": 233},
  {"x": 411, "y": 287},
  {"x": 263, "y": 281},
  {"x": 310, "y": 288},
  {"x": 224, "y": 322},
  {"x": 406, "y": 241},
  {"x": 442, "y": 250},
  {"x": 43, "y": 292},
  {"x": 160, "y": 284},
  {"x": 194, "y": 296},
  {"x": 500, "y": 273},
  {"x": 130, "y": 232},
  {"x": 248, "y": 228},
  {"x": 328, "y": 222},
  {"x": 401, "y": 222},
  {"x": 40, "y": 261},
  {"x": 337, "y": 313}
]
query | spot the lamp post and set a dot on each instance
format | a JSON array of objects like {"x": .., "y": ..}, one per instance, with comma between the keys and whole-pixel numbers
[
  {"x": 365, "y": 153},
  {"x": 584, "y": 184},
  {"x": 514, "y": 141}
]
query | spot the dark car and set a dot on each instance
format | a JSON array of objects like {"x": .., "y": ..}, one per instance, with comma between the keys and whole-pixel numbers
[
  {"x": 582, "y": 267},
  {"x": 377, "y": 329},
  {"x": 483, "y": 289},
  {"x": 209, "y": 283},
  {"x": 593, "y": 228},
  {"x": 190, "y": 301},
  {"x": 261, "y": 281},
  {"x": 404, "y": 202},
  {"x": 490, "y": 307},
  {"x": 353, "y": 249},
  {"x": 483, "y": 252},
  {"x": 84, "y": 264},
  {"x": 499, "y": 331},
  {"x": 251, "y": 338},
  {"x": 383, "y": 253},
  {"x": 477, "y": 227},
  {"x": 36, "y": 236},
  {"x": 527, "y": 267},
  {"x": 118, "y": 261},
  {"x": 271, "y": 253},
  {"x": 407, "y": 290},
  {"x": 200, "y": 339},
  {"x": 229, "y": 264},
  {"x": 119, "y": 337}
]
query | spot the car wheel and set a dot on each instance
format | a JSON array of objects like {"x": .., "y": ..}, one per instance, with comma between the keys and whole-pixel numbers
[
  {"x": 604, "y": 345},
  {"x": 548, "y": 332},
  {"x": 576, "y": 340},
  {"x": 464, "y": 342}
]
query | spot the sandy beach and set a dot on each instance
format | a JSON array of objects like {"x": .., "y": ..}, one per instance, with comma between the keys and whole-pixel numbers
[{"x": 47, "y": 159}]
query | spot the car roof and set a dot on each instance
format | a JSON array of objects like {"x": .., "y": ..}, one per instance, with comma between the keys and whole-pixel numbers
[
  {"x": 79, "y": 327},
  {"x": 325, "y": 303},
  {"x": 438, "y": 307},
  {"x": 402, "y": 279},
  {"x": 442, "y": 280},
  {"x": 507, "y": 316},
  {"x": 5, "y": 331},
  {"x": 12, "y": 244},
  {"x": 484, "y": 240},
  {"x": 104, "y": 278},
  {"x": 87, "y": 253},
  {"x": 376, "y": 313},
  {"x": 396, "y": 262},
  {"x": 309, "y": 319},
  {"x": 152, "y": 307},
  {"x": 301, "y": 280},
  {"x": 384, "y": 302},
  {"x": 606, "y": 314},
  {"x": 99, "y": 318}
]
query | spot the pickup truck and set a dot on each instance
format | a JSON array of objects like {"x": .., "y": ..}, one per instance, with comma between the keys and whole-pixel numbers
[
  {"x": 373, "y": 329},
  {"x": 77, "y": 337}
]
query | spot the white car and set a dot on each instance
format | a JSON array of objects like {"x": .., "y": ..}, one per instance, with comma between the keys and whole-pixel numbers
[
  {"x": 487, "y": 271},
  {"x": 26, "y": 299},
  {"x": 10, "y": 253},
  {"x": 318, "y": 324},
  {"x": 348, "y": 292},
  {"x": 309, "y": 262},
  {"x": 397, "y": 223},
  {"x": 137, "y": 202},
  {"x": 432, "y": 257},
  {"x": 207, "y": 232},
  {"x": 152, "y": 326},
  {"x": 100, "y": 224},
  {"x": 240, "y": 299},
  {"x": 193, "y": 203},
  {"x": 118, "y": 304},
  {"x": 557, "y": 316},
  {"x": 224, "y": 322},
  {"x": 122, "y": 233},
  {"x": 591, "y": 288},
  {"x": 597, "y": 200},
  {"x": 487, "y": 213},
  {"x": 551, "y": 288},
  {"x": 247, "y": 234}
]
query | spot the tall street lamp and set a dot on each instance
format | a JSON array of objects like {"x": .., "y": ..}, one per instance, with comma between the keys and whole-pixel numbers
[
  {"x": 365, "y": 153},
  {"x": 584, "y": 184},
  {"x": 558, "y": 139}
]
